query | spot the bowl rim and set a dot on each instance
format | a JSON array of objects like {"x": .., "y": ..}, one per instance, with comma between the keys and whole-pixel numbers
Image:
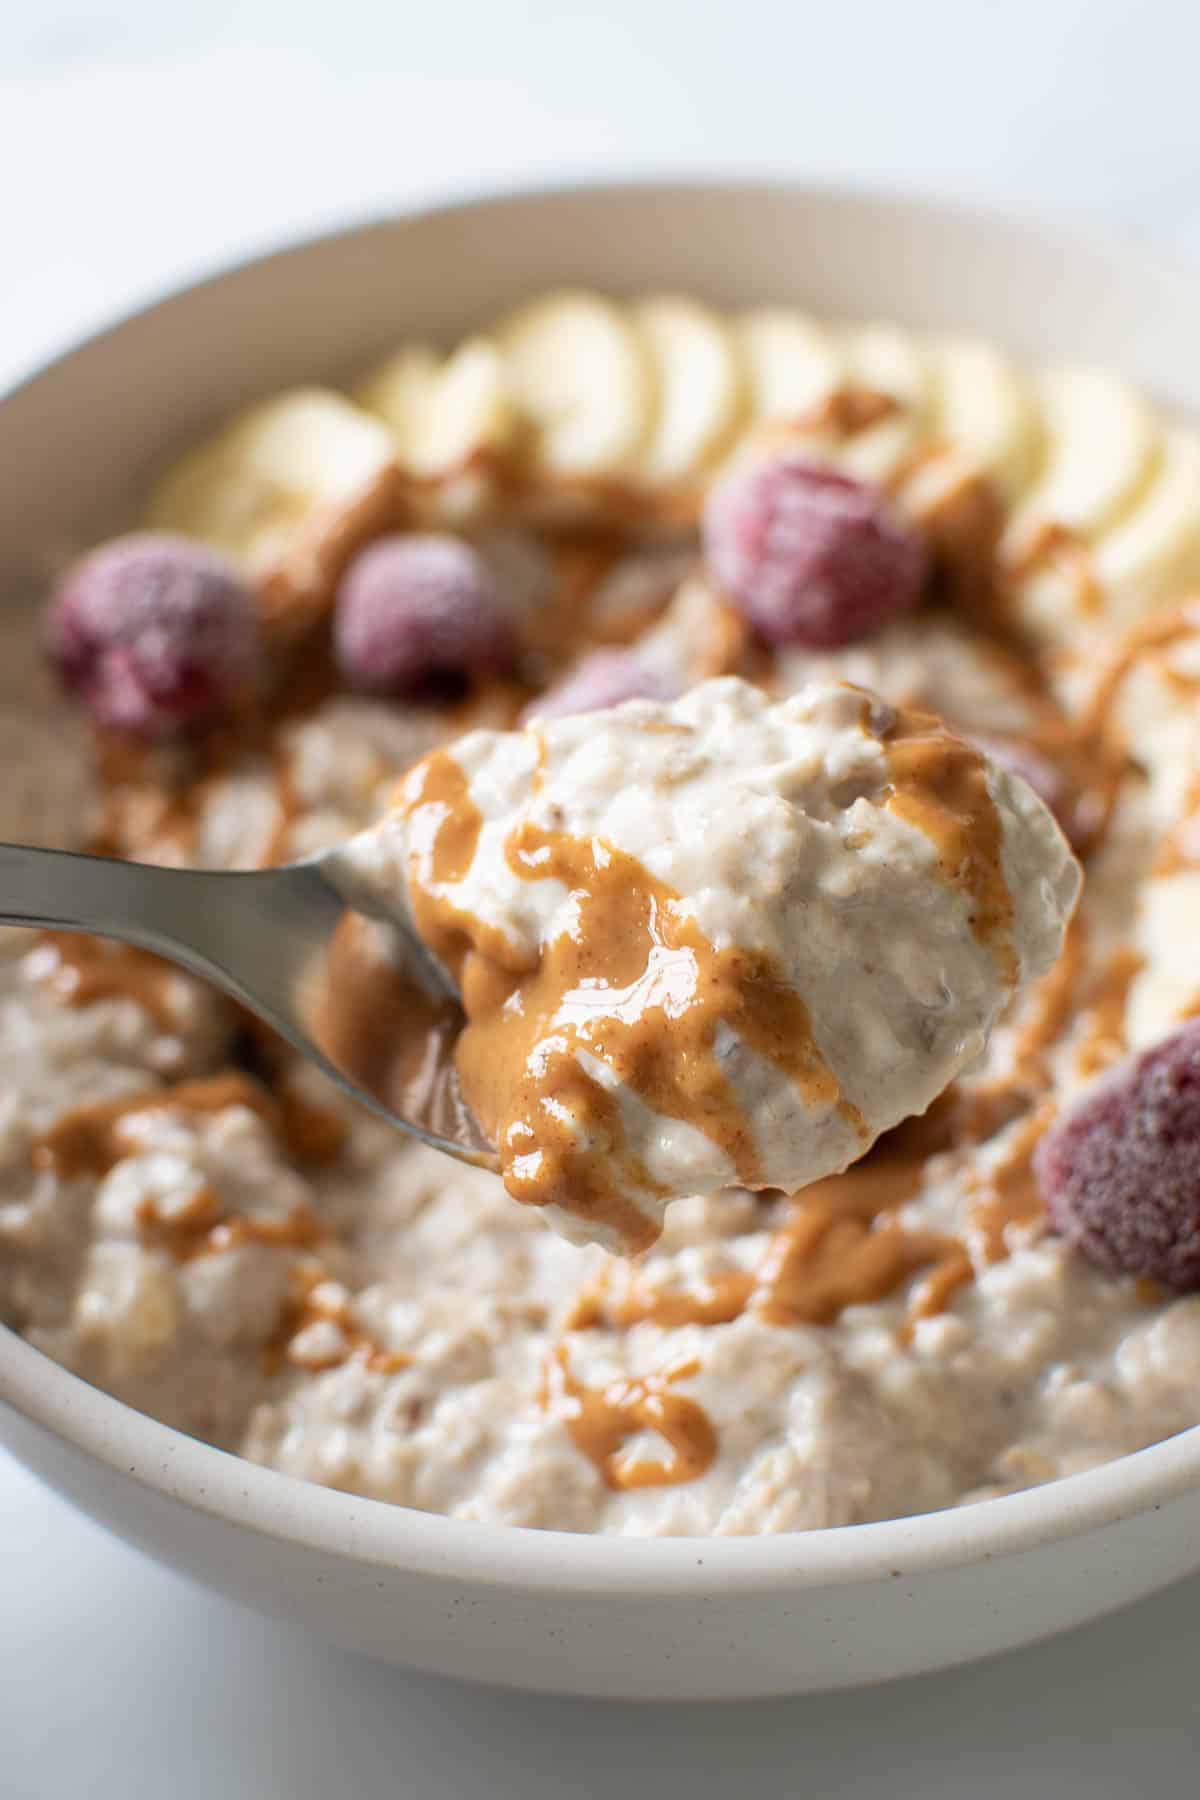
[
  {"x": 1027, "y": 226},
  {"x": 384, "y": 1534}
]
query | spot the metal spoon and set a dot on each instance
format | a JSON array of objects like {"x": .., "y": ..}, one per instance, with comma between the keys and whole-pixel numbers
[{"x": 264, "y": 936}]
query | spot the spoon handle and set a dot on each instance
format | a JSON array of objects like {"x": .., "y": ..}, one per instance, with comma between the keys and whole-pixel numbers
[
  {"x": 252, "y": 932},
  {"x": 73, "y": 892},
  {"x": 262, "y": 935}
]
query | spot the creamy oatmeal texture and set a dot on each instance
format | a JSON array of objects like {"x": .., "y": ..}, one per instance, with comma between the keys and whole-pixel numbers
[
  {"x": 194, "y": 1223},
  {"x": 717, "y": 941}
]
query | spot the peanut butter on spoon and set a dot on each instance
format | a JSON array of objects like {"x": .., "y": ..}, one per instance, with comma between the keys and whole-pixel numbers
[{"x": 717, "y": 941}]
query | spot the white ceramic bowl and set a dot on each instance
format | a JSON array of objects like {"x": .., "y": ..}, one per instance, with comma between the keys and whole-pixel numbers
[{"x": 647, "y": 1618}]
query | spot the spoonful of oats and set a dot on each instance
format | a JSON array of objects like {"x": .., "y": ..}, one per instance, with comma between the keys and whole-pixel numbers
[
  {"x": 715, "y": 941},
  {"x": 637, "y": 954},
  {"x": 621, "y": 955}
]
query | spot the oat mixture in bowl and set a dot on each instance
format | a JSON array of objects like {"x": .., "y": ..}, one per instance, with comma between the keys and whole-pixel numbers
[{"x": 589, "y": 504}]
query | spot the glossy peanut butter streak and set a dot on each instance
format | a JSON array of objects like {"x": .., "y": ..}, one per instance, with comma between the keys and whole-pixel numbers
[
  {"x": 634, "y": 984},
  {"x": 940, "y": 786}
]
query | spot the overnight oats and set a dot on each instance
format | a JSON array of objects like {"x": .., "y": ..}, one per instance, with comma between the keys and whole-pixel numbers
[
  {"x": 731, "y": 703},
  {"x": 649, "y": 913}
]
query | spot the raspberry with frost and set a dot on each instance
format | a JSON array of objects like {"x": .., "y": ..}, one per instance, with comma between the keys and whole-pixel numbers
[
  {"x": 418, "y": 616},
  {"x": 808, "y": 555},
  {"x": 154, "y": 634},
  {"x": 1119, "y": 1171}
]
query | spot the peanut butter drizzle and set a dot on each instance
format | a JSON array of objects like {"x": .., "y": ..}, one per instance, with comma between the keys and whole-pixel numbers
[
  {"x": 1103, "y": 1040},
  {"x": 843, "y": 413},
  {"x": 962, "y": 518},
  {"x": 665, "y": 988},
  {"x": 1179, "y": 852},
  {"x": 580, "y": 563},
  {"x": 626, "y": 507},
  {"x": 1008, "y": 1194},
  {"x": 154, "y": 798},
  {"x": 379, "y": 1026},
  {"x": 718, "y": 1300},
  {"x": 829, "y": 1252},
  {"x": 1159, "y": 631},
  {"x": 444, "y": 827},
  {"x": 89, "y": 1139},
  {"x": 80, "y": 970},
  {"x": 837, "y": 1247},
  {"x": 602, "y": 1420},
  {"x": 940, "y": 787},
  {"x": 1079, "y": 750},
  {"x": 849, "y": 410},
  {"x": 732, "y": 1292},
  {"x": 1051, "y": 1006},
  {"x": 832, "y": 1251},
  {"x": 1092, "y": 768},
  {"x": 146, "y": 797},
  {"x": 729, "y": 647},
  {"x": 185, "y": 1227},
  {"x": 354, "y": 1009},
  {"x": 204, "y": 1227},
  {"x": 307, "y": 1306},
  {"x": 313, "y": 1135},
  {"x": 1055, "y": 545}
]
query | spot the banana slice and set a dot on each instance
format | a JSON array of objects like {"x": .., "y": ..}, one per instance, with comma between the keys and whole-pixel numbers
[
  {"x": 398, "y": 391},
  {"x": 1154, "y": 712},
  {"x": 1152, "y": 709},
  {"x": 884, "y": 361},
  {"x": 1154, "y": 551},
  {"x": 983, "y": 407},
  {"x": 701, "y": 387},
  {"x": 1111, "y": 524},
  {"x": 1101, "y": 442},
  {"x": 580, "y": 373},
  {"x": 468, "y": 409},
  {"x": 443, "y": 416},
  {"x": 793, "y": 365},
  {"x": 289, "y": 490},
  {"x": 1167, "y": 989}
]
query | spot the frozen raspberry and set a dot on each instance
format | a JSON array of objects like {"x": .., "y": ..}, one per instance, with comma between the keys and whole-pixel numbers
[
  {"x": 809, "y": 556},
  {"x": 417, "y": 617},
  {"x": 603, "y": 678},
  {"x": 1120, "y": 1170},
  {"x": 154, "y": 634}
]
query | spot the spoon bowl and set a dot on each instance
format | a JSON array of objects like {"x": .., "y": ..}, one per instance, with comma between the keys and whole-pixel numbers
[{"x": 358, "y": 995}]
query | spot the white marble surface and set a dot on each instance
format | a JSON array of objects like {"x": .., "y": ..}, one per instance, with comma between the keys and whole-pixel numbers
[{"x": 140, "y": 143}]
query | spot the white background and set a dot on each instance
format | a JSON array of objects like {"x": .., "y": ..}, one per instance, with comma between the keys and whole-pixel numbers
[{"x": 144, "y": 140}]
